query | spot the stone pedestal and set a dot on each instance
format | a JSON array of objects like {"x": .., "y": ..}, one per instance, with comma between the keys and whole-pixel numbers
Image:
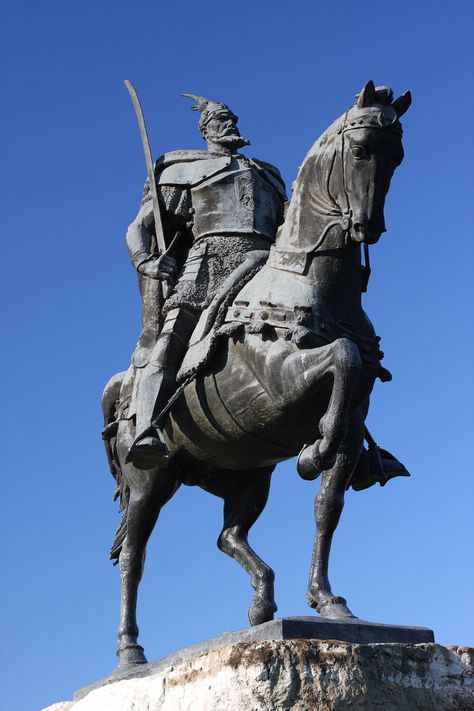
[{"x": 294, "y": 673}]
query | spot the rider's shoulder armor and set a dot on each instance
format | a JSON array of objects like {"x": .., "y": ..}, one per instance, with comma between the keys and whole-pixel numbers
[
  {"x": 188, "y": 168},
  {"x": 273, "y": 176}
]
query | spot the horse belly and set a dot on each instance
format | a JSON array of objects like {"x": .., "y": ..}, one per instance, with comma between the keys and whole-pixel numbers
[{"x": 202, "y": 427}]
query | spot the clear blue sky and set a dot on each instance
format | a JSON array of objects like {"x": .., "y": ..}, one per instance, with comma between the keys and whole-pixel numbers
[{"x": 73, "y": 173}]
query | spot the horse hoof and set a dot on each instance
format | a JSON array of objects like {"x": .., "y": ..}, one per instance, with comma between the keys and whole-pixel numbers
[
  {"x": 305, "y": 466},
  {"x": 333, "y": 607},
  {"x": 258, "y": 615},
  {"x": 312, "y": 462},
  {"x": 131, "y": 656}
]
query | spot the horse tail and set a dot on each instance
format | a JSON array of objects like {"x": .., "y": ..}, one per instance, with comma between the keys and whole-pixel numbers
[
  {"x": 120, "y": 534},
  {"x": 110, "y": 400}
]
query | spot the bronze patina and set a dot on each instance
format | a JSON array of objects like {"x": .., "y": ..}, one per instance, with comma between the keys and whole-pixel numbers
[{"x": 261, "y": 351}]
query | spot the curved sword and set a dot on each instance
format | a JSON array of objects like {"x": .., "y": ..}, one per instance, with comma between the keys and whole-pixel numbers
[{"x": 160, "y": 238}]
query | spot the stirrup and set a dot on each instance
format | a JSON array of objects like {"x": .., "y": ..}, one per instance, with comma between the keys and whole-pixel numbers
[{"x": 146, "y": 455}]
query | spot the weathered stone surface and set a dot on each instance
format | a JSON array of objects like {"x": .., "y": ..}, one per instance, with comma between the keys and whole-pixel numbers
[
  {"x": 300, "y": 675},
  {"x": 309, "y": 627}
]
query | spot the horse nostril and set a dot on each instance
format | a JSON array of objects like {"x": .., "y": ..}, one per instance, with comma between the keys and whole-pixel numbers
[{"x": 359, "y": 232}]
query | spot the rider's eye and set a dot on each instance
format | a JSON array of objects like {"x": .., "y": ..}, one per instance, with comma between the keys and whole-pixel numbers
[{"x": 358, "y": 152}]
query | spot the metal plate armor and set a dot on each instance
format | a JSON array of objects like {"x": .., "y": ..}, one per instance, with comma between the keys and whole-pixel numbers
[
  {"x": 230, "y": 195},
  {"x": 237, "y": 200}
]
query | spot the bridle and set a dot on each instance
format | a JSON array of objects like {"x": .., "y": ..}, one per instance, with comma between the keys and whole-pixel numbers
[
  {"x": 298, "y": 257},
  {"x": 346, "y": 219},
  {"x": 343, "y": 220}
]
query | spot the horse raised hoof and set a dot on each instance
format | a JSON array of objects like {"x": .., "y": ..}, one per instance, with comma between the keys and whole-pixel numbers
[
  {"x": 258, "y": 614},
  {"x": 312, "y": 461},
  {"x": 333, "y": 607},
  {"x": 130, "y": 656}
]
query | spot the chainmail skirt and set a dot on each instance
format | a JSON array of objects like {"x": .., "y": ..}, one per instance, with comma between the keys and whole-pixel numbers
[{"x": 209, "y": 262}]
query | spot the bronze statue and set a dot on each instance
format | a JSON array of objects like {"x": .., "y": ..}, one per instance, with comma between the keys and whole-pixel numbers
[
  {"x": 265, "y": 352},
  {"x": 221, "y": 206}
]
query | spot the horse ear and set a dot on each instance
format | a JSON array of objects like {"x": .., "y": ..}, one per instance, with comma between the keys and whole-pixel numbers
[
  {"x": 367, "y": 95},
  {"x": 402, "y": 104}
]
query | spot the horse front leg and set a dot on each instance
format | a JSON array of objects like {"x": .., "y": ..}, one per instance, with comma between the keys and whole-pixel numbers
[
  {"x": 344, "y": 364},
  {"x": 301, "y": 372},
  {"x": 329, "y": 504}
]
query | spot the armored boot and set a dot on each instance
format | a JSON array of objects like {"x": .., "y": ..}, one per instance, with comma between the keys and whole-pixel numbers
[{"x": 157, "y": 384}]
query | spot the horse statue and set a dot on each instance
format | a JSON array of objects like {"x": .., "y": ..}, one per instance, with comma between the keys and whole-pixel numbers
[{"x": 291, "y": 362}]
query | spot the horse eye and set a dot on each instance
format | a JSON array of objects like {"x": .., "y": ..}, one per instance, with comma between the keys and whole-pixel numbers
[{"x": 358, "y": 152}]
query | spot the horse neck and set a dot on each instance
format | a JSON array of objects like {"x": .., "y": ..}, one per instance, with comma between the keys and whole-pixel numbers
[
  {"x": 336, "y": 272},
  {"x": 335, "y": 267}
]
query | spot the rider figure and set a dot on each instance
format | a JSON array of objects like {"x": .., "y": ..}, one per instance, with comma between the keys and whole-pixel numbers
[{"x": 223, "y": 205}]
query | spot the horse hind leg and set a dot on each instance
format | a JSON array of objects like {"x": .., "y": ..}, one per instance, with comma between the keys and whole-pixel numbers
[
  {"x": 149, "y": 492},
  {"x": 245, "y": 495}
]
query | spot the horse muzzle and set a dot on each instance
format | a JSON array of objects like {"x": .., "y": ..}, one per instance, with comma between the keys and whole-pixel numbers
[{"x": 363, "y": 234}]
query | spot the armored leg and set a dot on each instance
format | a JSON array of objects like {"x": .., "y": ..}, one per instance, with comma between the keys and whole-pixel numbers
[{"x": 157, "y": 385}]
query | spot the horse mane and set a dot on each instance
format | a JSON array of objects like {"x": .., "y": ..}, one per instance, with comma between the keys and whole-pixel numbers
[{"x": 317, "y": 166}]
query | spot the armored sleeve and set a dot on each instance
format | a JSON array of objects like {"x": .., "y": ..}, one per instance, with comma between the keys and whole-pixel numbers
[{"x": 175, "y": 204}]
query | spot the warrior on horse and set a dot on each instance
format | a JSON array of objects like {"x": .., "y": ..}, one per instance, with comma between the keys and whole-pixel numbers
[{"x": 263, "y": 333}]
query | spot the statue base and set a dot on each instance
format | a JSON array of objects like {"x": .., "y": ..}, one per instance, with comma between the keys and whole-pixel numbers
[{"x": 296, "y": 663}]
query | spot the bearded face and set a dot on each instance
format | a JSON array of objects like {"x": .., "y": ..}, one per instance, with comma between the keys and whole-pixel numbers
[{"x": 221, "y": 130}]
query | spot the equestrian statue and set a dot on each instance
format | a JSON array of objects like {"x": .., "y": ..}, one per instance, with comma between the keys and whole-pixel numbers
[{"x": 254, "y": 346}]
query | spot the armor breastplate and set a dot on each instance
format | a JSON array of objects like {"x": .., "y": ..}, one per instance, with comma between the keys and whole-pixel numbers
[{"x": 237, "y": 200}]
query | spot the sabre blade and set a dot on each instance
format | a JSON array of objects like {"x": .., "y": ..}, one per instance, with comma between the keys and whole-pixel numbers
[{"x": 160, "y": 238}]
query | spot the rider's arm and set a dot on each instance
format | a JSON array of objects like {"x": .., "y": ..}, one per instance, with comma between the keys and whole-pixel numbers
[
  {"x": 174, "y": 210},
  {"x": 139, "y": 235}
]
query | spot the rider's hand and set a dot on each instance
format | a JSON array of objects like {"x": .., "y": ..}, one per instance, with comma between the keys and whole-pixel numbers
[{"x": 163, "y": 268}]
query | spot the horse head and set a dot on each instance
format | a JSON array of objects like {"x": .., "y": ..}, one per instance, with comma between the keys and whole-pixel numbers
[
  {"x": 346, "y": 175},
  {"x": 370, "y": 148}
]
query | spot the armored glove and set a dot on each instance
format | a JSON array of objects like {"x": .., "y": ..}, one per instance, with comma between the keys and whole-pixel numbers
[{"x": 163, "y": 268}]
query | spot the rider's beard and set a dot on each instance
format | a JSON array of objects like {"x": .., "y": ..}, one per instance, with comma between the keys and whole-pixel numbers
[{"x": 232, "y": 142}]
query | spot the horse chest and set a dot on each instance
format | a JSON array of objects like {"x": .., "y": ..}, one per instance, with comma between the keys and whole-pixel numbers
[{"x": 304, "y": 325}]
